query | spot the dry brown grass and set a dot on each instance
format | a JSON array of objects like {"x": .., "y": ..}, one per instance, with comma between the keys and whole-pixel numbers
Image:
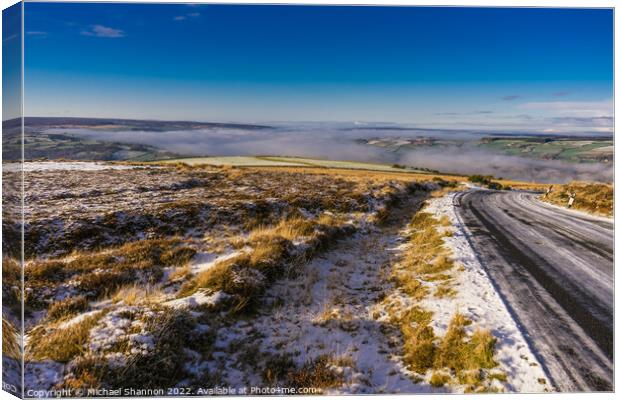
[
  {"x": 290, "y": 228},
  {"x": 439, "y": 379},
  {"x": 11, "y": 283},
  {"x": 62, "y": 344},
  {"x": 180, "y": 273},
  {"x": 365, "y": 174},
  {"x": 425, "y": 259},
  {"x": 457, "y": 355},
  {"x": 410, "y": 285},
  {"x": 101, "y": 273},
  {"x": 317, "y": 373},
  {"x": 10, "y": 340},
  {"x": 419, "y": 349},
  {"x": 162, "y": 367},
  {"x": 464, "y": 356},
  {"x": 596, "y": 198},
  {"x": 271, "y": 257},
  {"x": 444, "y": 290},
  {"x": 218, "y": 277},
  {"x": 135, "y": 294},
  {"x": 67, "y": 308}
]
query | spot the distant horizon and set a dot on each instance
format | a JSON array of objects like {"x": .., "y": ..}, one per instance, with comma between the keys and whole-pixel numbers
[{"x": 376, "y": 125}]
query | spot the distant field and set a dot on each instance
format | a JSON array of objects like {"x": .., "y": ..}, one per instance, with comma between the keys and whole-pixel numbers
[
  {"x": 543, "y": 148},
  {"x": 236, "y": 161},
  {"x": 567, "y": 150},
  {"x": 252, "y": 161},
  {"x": 345, "y": 168}
]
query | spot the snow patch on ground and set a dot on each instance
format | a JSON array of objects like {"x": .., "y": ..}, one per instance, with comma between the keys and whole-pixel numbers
[
  {"x": 478, "y": 300},
  {"x": 77, "y": 319},
  {"x": 198, "y": 299},
  {"x": 118, "y": 325},
  {"x": 204, "y": 261},
  {"x": 42, "y": 375},
  {"x": 328, "y": 310},
  {"x": 62, "y": 166}
]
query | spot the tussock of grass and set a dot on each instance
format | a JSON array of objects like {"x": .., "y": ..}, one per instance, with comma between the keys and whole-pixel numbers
[
  {"x": 329, "y": 220},
  {"x": 500, "y": 376},
  {"x": 180, "y": 273},
  {"x": 61, "y": 345},
  {"x": 410, "y": 285},
  {"x": 136, "y": 294},
  {"x": 422, "y": 220},
  {"x": 466, "y": 355},
  {"x": 277, "y": 367},
  {"x": 438, "y": 379},
  {"x": 291, "y": 229},
  {"x": 317, "y": 373},
  {"x": 47, "y": 270},
  {"x": 67, "y": 308},
  {"x": 437, "y": 277},
  {"x": 280, "y": 369},
  {"x": 443, "y": 291},
  {"x": 10, "y": 340},
  {"x": 440, "y": 264},
  {"x": 11, "y": 283},
  {"x": 462, "y": 354},
  {"x": 419, "y": 339},
  {"x": 444, "y": 221}
]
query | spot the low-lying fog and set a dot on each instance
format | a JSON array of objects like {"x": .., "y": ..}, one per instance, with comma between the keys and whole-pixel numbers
[{"x": 337, "y": 142}]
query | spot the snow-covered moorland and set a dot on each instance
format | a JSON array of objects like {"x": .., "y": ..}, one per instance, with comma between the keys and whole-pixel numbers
[{"x": 204, "y": 277}]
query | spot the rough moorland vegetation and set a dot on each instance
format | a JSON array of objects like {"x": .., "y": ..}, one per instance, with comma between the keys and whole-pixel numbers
[
  {"x": 130, "y": 273},
  {"x": 462, "y": 355},
  {"x": 488, "y": 181},
  {"x": 596, "y": 198}
]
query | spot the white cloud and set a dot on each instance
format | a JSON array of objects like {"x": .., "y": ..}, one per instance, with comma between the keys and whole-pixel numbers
[
  {"x": 581, "y": 109},
  {"x": 104, "y": 31},
  {"x": 184, "y": 17},
  {"x": 10, "y": 37}
]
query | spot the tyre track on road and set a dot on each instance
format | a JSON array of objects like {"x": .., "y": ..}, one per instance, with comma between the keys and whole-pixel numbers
[{"x": 556, "y": 273}]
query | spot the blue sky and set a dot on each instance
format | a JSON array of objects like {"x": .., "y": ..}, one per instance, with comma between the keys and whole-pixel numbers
[
  {"x": 538, "y": 69},
  {"x": 11, "y": 61}
]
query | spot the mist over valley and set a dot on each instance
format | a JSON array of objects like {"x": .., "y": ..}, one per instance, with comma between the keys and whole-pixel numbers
[{"x": 513, "y": 155}]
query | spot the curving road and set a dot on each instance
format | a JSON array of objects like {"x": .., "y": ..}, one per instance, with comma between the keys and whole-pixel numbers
[{"x": 554, "y": 270}]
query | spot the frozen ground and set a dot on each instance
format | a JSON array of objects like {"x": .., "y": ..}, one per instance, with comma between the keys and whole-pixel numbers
[
  {"x": 329, "y": 302},
  {"x": 335, "y": 307},
  {"x": 330, "y": 310},
  {"x": 62, "y": 166},
  {"x": 478, "y": 300}
]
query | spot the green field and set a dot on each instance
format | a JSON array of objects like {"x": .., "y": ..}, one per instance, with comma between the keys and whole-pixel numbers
[
  {"x": 567, "y": 150},
  {"x": 264, "y": 161}
]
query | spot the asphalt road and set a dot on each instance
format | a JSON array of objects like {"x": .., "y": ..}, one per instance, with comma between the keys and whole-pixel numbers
[{"x": 554, "y": 270}]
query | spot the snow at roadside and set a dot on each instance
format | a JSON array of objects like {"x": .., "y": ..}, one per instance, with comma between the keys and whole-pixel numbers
[{"x": 478, "y": 300}]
